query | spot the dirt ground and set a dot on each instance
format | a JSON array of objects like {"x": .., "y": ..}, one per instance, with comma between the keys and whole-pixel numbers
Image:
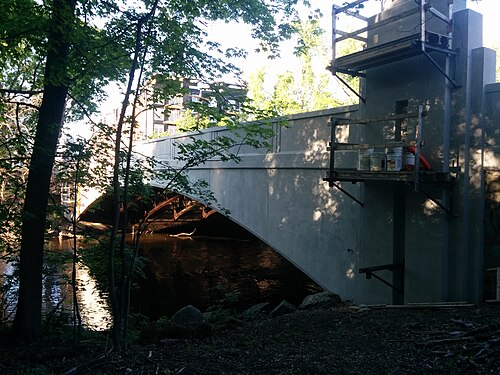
[{"x": 343, "y": 340}]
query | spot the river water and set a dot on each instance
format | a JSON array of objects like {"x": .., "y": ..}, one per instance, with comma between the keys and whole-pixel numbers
[
  {"x": 199, "y": 271},
  {"x": 204, "y": 271}
]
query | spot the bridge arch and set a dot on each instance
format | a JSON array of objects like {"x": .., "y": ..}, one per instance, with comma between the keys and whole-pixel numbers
[
  {"x": 432, "y": 248},
  {"x": 280, "y": 197}
]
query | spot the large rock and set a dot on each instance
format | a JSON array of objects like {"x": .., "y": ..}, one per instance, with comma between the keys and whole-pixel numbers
[
  {"x": 187, "y": 315},
  {"x": 283, "y": 308},
  {"x": 321, "y": 300},
  {"x": 256, "y": 311}
]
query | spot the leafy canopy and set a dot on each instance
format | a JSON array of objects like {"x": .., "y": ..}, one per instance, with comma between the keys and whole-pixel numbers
[{"x": 103, "y": 39}]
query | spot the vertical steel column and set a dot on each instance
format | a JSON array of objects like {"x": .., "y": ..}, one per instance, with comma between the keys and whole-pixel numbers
[
  {"x": 423, "y": 3},
  {"x": 398, "y": 243},
  {"x": 418, "y": 147},
  {"x": 331, "y": 175},
  {"x": 334, "y": 37},
  {"x": 481, "y": 261},
  {"x": 447, "y": 96},
  {"x": 465, "y": 251},
  {"x": 399, "y": 223},
  {"x": 445, "y": 193}
]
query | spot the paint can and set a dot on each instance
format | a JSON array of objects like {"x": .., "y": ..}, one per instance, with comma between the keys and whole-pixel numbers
[
  {"x": 409, "y": 161},
  {"x": 394, "y": 159},
  {"x": 377, "y": 161},
  {"x": 364, "y": 160}
]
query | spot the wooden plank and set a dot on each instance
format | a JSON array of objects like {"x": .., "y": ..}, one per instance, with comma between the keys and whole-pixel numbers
[
  {"x": 380, "y": 55},
  {"x": 393, "y": 117},
  {"x": 365, "y": 146},
  {"x": 425, "y": 177}
]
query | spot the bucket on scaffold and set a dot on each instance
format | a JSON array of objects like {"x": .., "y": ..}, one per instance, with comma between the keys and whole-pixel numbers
[
  {"x": 409, "y": 160},
  {"x": 364, "y": 160},
  {"x": 394, "y": 159},
  {"x": 377, "y": 161}
]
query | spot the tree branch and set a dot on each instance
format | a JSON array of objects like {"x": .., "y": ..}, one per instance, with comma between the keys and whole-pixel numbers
[{"x": 21, "y": 92}]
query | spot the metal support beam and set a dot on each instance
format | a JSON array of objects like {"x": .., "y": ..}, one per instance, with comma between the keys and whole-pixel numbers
[
  {"x": 346, "y": 71},
  {"x": 333, "y": 184},
  {"x": 379, "y": 24},
  {"x": 357, "y": 37},
  {"x": 349, "y": 5},
  {"x": 441, "y": 70},
  {"x": 356, "y": 15},
  {"x": 439, "y": 15},
  {"x": 370, "y": 272},
  {"x": 423, "y": 5},
  {"x": 418, "y": 147},
  {"x": 438, "y": 203},
  {"x": 350, "y": 88},
  {"x": 333, "y": 130}
]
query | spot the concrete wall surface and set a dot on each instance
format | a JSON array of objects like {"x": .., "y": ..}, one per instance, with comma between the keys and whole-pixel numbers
[
  {"x": 280, "y": 196},
  {"x": 491, "y": 155}
]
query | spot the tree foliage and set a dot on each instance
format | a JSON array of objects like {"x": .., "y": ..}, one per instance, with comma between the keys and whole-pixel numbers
[
  {"x": 304, "y": 90},
  {"x": 60, "y": 54}
]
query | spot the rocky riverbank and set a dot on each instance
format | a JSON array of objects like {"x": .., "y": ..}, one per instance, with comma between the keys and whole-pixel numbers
[{"x": 321, "y": 339}]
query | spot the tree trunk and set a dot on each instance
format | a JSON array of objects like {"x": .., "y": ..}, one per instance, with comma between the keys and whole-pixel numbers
[
  {"x": 28, "y": 319},
  {"x": 115, "y": 295}
]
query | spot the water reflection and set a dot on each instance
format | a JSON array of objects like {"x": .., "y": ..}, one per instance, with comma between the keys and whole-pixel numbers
[
  {"x": 8, "y": 291},
  {"x": 203, "y": 270},
  {"x": 94, "y": 307},
  {"x": 180, "y": 271},
  {"x": 57, "y": 293},
  {"x": 93, "y": 303}
]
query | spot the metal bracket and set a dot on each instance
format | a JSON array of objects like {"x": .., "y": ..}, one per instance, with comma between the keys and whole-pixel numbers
[
  {"x": 370, "y": 272},
  {"x": 438, "y": 203},
  {"x": 441, "y": 70},
  {"x": 344, "y": 82},
  {"x": 333, "y": 184}
]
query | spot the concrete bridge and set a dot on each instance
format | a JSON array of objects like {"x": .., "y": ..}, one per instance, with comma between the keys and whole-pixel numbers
[
  {"x": 280, "y": 196},
  {"x": 375, "y": 236}
]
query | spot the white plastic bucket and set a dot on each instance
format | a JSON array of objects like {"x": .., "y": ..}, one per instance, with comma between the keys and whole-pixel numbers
[
  {"x": 409, "y": 160},
  {"x": 377, "y": 161},
  {"x": 364, "y": 160},
  {"x": 394, "y": 159}
]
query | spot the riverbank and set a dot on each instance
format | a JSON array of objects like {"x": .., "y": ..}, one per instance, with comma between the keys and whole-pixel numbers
[{"x": 341, "y": 340}]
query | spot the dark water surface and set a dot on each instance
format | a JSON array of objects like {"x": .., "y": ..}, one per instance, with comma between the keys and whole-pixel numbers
[
  {"x": 199, "y": 271},
  {"x": 205, "y": 271}
]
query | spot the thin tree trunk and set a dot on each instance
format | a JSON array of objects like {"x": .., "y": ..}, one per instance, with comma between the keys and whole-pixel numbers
[
  {"x": 119, "y": 302},
  {"x": 28, "y": 319},
  {"x": 77, "y": 324},
  {"x": 128, "y": 275},
  {"x": 117, "y": 201}
]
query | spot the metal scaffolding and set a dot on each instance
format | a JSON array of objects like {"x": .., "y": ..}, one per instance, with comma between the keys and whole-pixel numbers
[
  {"x": 418, "y": 43},
  {"x": 422, "y": 42}
]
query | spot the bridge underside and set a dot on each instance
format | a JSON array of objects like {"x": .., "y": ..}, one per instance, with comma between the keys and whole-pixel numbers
[
  {"x": 281, "y": 198},
  {"x": 170, "y": 213},
  {"x": 377, "y": 239}
]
